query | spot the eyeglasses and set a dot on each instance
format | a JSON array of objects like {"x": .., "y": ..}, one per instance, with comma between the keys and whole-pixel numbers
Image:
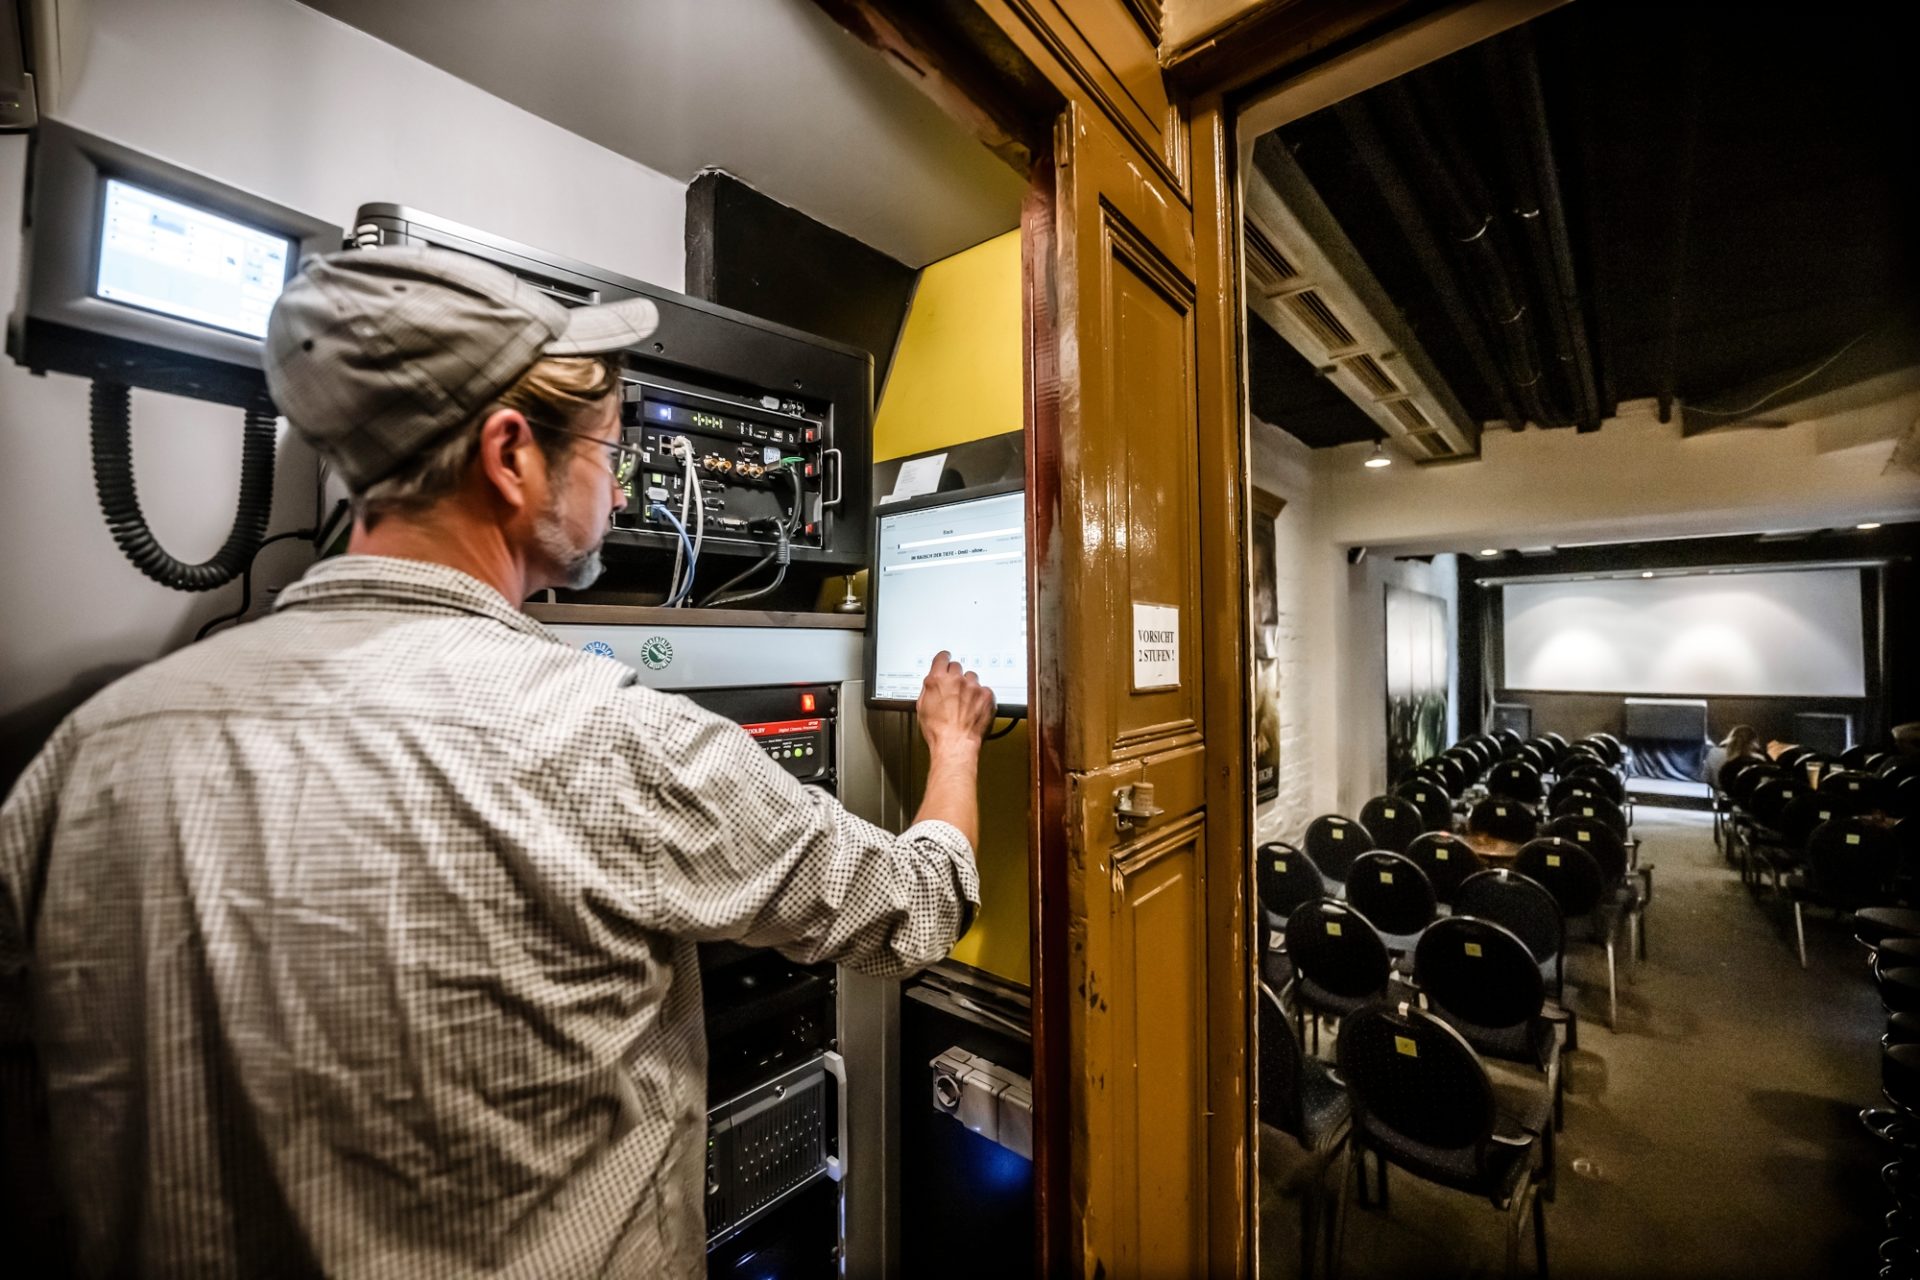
[{"x": 622, "y": 460}]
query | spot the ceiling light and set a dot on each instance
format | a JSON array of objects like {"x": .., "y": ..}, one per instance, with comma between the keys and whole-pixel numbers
[
  {"x": 1378, "y": 458},
  {"x": 1491, "y": 551},
  {"x": 1647, "y": 574},
  {"x": 1870, "y": 524}
]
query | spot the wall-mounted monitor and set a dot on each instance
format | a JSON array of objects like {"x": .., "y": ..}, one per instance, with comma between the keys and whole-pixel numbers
[
  {"x": 141, "y": 272},
  {"x": 950, "y": 572}
]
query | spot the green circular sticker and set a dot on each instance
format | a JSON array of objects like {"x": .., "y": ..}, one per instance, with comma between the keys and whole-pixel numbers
[{"x": 657, "y": 652}]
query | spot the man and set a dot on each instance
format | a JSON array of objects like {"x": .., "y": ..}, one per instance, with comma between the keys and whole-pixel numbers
[{"x": 360, "y": 939}]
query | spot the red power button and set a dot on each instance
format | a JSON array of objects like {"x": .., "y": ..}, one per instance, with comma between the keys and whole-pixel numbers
[{"x": 806, "y": 702}]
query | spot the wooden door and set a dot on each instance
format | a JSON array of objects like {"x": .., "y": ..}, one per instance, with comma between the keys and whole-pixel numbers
[{"x": 1121, "y": 636}]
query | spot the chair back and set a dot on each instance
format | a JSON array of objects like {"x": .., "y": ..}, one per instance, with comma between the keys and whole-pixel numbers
[
  {"x": 1392, "y": 822},
  {"x": 1537, "y": 752},
  {"x": 1515, "y": 780},
  {"x": 1567, "y": 870},
  {"x": 1447, "y": 860},
  {"x": 1895, "y": 768},
  {"x": 1611, "y": 749},
  {"x": 1479, "y": 973},
  {"x": 1286, "y": 878},
  {"x": 1392, "y": 891},
  {"x": 1596, "y": 807},
  {"x": 1851, "y": 863},
  {"x": 1796, "y": 758},
  {"x": 1558, "y": 739},
  {"x": 1734, "y": 769},
  {"x": 1598, "y": 839},
  {"x": 1450, "y": 771},
  {"x": 1749, "y": 780},
  {"x": 1855, "y": 756},
  {"x": 1504, "y": 819},
  {"x": 1509, "y": 743},
  {"x": 1414, "y": 1081},
  {"x": 1569, "y": 788},
  {"x": 1432, "y": 800},
  {"x": 1282, "y": 1065},
  {"x": 1802, "y": 814},
  {"x": 1517, "y": 903},
  {"x": 1768, "y": 802},
  {"x": 1333, "y": 842},
  {"x": 1902, "y": 797},
  {"x": 1853, "y": 790},
  {"x": 1578, "y": 756},
  {"x": 1337, "y": 949},
  {"x": 1601, "y": 779}
]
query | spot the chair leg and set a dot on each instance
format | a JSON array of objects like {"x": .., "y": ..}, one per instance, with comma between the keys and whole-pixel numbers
[
  {"x": 1540, "y": 1236},
  {"x": 1613, "y": 1009},
  {"x": 1337, "y": 1246},
  {"x": 1516, "y": 1214},
  {"x": 1381, "y": 1159},
  {"x": 1800, "y": 933},
  {"x": 1312, "y": 1207}
]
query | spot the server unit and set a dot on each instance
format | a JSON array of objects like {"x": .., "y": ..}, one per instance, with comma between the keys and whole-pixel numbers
[
  {"x": 801, "y": 1086},
  {"x": 757, "y": 431}
]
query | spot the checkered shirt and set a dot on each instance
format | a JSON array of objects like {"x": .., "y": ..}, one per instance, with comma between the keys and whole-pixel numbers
[{"x": 360, "y": 940}]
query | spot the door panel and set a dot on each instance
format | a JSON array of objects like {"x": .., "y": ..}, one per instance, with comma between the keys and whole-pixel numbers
[{"x": 1137, "y": 958}]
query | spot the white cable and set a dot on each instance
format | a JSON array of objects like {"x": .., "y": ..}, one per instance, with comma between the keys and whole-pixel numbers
[
  {"x": 682, "y": 450},
  {"x": 699, "y": 517},
  {"x": 1777, "y": 391}
]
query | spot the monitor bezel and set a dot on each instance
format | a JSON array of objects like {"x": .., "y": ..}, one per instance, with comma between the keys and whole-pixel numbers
[
  {"x": 949, "y": 498},
  {"x": 61, "y": 264}
]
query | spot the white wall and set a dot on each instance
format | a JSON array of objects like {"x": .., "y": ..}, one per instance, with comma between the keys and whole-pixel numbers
[
  {"x": 1361, "y": 645},
  {"x": 273, "y": 97},
  {"x": 1634, "y": 478}
]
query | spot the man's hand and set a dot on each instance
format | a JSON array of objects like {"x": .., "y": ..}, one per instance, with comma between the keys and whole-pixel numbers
[
  {"x": 955, "y": 709},
  {"x": 954, "y": 712}
]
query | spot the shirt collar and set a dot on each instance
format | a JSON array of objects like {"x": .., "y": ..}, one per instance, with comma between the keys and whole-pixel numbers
[{"x": 361, "y": 582}]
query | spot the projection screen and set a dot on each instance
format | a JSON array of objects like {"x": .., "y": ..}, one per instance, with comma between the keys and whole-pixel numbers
[{"x": 1792, "y": 633}]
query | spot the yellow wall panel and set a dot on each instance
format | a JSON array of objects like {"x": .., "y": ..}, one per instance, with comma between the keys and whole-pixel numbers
[{"x": 956, "y": 375}]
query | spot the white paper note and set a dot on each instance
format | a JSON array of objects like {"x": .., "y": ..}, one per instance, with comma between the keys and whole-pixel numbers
[
  {"x": 918, "y": 476},
  {"x": 1156, "y": 646}
]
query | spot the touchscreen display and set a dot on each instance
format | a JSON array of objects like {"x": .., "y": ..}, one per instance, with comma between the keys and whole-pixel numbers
[
  {"x": 953, "y": 577},
  {"x": 160, "y": 254}
]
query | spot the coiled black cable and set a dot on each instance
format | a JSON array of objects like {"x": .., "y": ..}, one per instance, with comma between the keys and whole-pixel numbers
[{"x": 111, "y": 422}]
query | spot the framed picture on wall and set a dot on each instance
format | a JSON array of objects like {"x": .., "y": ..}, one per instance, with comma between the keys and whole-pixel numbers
[
  {"x": 1418, "y": 647},
  {"x": 1266, "y": 646}
]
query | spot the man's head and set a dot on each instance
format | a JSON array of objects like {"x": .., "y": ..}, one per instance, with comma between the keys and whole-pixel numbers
[{"x": 439, "y": 386}]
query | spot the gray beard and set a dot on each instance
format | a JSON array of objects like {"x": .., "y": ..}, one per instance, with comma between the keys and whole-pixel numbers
[{"x": 579, "y": 568}]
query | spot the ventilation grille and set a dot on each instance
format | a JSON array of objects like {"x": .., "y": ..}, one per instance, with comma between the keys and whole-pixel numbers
[
  {"x": 1427, "y": 444},
  {"x": 1270, "y": 268},
  {"x": 1409, "y": 415},
  {"x": 1311, "y": 310},
  {"x": 1372, "y": 376}
]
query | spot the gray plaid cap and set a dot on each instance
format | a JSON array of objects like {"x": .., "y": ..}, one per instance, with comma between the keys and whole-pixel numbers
[{"x": 372, "y": 354}]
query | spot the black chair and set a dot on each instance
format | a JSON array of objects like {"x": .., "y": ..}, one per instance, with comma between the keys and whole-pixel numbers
[
  {"x": 1503, "y": 820},
  {"x": 1577, "y": 884},
  {"x": 1850, "y": 865},
  {"x": 1451, "y": 771},
  {"x": 1395, "y": 896},
  {"x": 1482, "y": 981},
  {"x": 1509, "y": 742},
  {"x": 1630, "y": 887},
  {"x": 1536, "y": 753},
  {"x": 1559, "y": 740},
  {"x": 1333, "y": 842},
  {"x": 1894, "y": 768},
  {"x": 1301, "y": 1098},
  {"x": 1579, "y": 756},
  {"x": 1602, "y": 779},
  {"x": 1285, "y": 878},
  {"x": 1760, "y": 838},
  {"x": 1855, "y": 756},
  {"x": 1339, "y": 962},
  {"x": 1392, "y": 821},
  {"x": 1432, "y": 800},
  {"x": 1524, "y": 906},
  {"x": 1855, "y": 791},
  {"x": 1610, "y": 748},
  {"x": 1447, "y": 860},
  {"x": 1598, "y": 807},
  {"x": 1572, "y": 787},
  {"x": 1422, "y": 1100},
  {"x": 1515, "y": 780},
  {"x": 1734, "y": 770}
]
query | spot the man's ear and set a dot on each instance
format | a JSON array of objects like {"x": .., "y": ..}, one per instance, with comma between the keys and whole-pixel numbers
[{"x": 507, "y": 458}]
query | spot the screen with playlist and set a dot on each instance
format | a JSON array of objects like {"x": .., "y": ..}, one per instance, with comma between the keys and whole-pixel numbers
[
  {"x": 953, "y": 577},
  {"x": 160, "y": 254}
]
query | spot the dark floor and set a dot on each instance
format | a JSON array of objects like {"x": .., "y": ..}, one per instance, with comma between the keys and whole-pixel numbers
[{"x": 1714, "y": 1134}]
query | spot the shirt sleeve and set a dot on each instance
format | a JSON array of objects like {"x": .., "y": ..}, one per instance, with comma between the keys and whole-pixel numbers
[
  {"x": 734, "y": 848},
  {"x": 26, "y": 826}
]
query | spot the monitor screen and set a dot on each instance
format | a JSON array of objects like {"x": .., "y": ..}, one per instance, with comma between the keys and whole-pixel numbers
[
  {"x": 160, "y": 254},
  {"x": 952, "y": 577}
]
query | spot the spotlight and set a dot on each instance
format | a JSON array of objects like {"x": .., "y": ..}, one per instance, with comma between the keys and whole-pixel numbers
[
  {"x": 1378, "y": 458},
  {"x": 1490, "y": 551},
  {"x": 1647, "y": 574},
  {"x": 1870, "y": 524}
]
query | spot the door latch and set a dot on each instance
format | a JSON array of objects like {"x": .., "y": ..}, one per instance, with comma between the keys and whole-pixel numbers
[{"x": 1133, "y": 806}]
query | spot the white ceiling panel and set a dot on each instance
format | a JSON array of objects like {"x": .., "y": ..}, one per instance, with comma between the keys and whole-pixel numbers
[{"x": 772, "y": 91}]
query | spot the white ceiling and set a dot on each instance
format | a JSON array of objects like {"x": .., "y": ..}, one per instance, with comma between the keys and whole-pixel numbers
[{"x": 772, "y": 91}]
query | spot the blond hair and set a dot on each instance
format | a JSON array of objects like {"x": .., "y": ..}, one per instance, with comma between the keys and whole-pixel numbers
[{"x": 555, "y": 393}]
